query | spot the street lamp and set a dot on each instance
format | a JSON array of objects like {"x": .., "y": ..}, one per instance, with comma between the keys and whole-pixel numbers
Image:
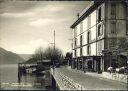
[
  {"x": 127, "y": 69},
  {"x": 53, "y": 58}
]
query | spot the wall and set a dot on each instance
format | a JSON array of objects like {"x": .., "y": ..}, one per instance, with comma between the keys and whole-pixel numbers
[
  {"x": 64, "y": 82},
  {"x": 120, "y": 23},
  {"x": 120, "y": 10},
  {"x": 115, "y": 76},
  {"x": 93, "y": 49},
  {"x": 100, "y": 47}
]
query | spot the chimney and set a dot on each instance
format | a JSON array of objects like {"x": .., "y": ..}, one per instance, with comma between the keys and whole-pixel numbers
[{"x": 78, "y": 15}]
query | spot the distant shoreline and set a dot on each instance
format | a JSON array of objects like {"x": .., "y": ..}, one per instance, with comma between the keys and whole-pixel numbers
[{"x": 8, "y": 63}]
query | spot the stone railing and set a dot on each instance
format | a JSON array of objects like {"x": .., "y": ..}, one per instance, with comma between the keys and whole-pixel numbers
[{"x": 66, "y": 83}]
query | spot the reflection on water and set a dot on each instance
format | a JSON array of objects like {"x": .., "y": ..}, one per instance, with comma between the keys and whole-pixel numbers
[
  {"x": 8, "y": 73},
  {"x": 10, "y": 79}
]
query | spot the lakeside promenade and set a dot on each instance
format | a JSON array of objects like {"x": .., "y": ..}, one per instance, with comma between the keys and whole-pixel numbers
[{"x": 71, "y": 79}]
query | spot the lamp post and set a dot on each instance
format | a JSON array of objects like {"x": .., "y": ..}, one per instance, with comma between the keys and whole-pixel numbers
[
  {"x": 127, "y": 57},
  {"x": 54, "y": 40},
  {"x": 53, "y": 58},
  {"x": 54, "y": 51},
  {"x": 70, "y": 60}
]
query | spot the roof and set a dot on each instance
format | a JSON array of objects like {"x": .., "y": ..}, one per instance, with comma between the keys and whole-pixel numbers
[
  {"x": 94, "y": 5},
  {"x": 44, "y": 61},
  {"x": 86, "y": 12}
]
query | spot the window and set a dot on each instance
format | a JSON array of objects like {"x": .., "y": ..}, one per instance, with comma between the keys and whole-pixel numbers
[
  {"x": 100, "y": 46},
  {"x": 81, "y": 46},
  {"x": 100, "y": 32},
  {"x": 127, "y": 10},
  {"x": 113, "y": 27},
  {"x": 113, "y": 10},
  {"x": 99, "y": 15},
  {"x": 127, "y": 27},
  {"x": 88, "y": 37},
  {"x": 75, "y": 42},
  {"x": 75, "y": 53},
  {"x": 81, "y": 52},
  {"x": 81, "y": 41},
  {"x": 88, "y": 50}
]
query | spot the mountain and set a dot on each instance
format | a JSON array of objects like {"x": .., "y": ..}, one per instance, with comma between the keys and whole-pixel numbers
[
  {"x": 7, "y": 57},
  {"x": 25, "y": 56}
]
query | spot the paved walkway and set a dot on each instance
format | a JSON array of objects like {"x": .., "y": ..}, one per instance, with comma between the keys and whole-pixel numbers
[
  {"x": 91, "y": 81},
  {"x": 101, "y": 76},
  {"x": 94, "y": 74}
]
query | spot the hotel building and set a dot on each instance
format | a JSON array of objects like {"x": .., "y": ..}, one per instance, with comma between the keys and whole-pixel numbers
[{"x": 97, "y": 32}]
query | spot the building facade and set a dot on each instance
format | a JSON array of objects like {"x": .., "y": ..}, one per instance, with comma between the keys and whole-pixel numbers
[{"x": 99, "y": 29}]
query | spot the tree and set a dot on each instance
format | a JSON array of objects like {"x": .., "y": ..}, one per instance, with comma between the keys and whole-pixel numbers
[
  {"x": 53, "y": 54},
  {"x": 38, "y": 55},
  {"x": 68, "y": 55},
  {"x": 48, "y": 53}
]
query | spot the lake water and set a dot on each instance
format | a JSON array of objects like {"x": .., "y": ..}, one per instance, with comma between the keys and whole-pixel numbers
[{"x": 9, "y": 79}]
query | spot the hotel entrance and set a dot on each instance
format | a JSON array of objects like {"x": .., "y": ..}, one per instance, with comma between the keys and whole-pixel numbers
[{"x": 91, "y": 63}]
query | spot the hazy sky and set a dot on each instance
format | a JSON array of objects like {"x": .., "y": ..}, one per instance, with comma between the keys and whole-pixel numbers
[{"x": 26, "y": 25}]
